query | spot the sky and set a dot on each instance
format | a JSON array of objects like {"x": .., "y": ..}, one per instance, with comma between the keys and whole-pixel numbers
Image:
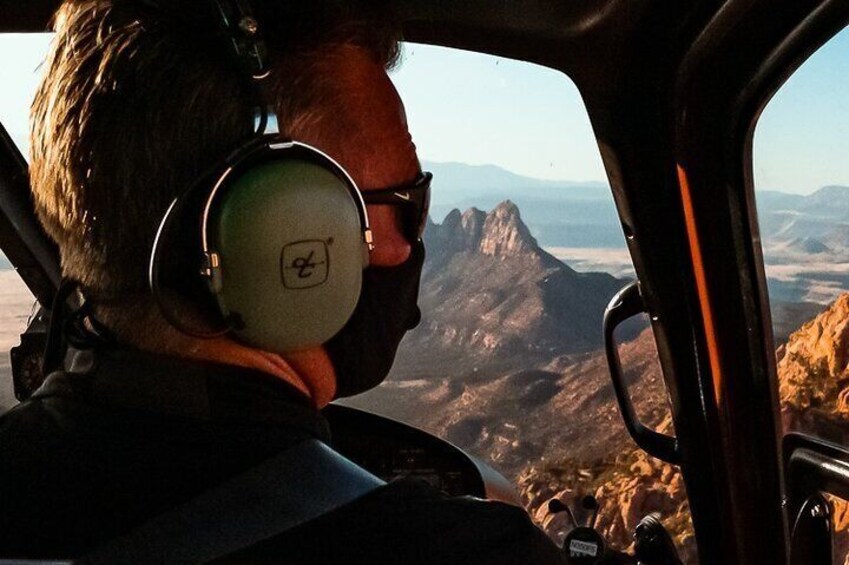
[
  {"x": 802, "y": 138},
  {"x": 479, "y": 109}
]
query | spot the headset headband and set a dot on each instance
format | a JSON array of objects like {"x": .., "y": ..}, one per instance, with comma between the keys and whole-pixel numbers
[
  {"x": 237, "y": 29},
  {"x": 271, "y": 146},
  {"x": 237, "y": 19}
]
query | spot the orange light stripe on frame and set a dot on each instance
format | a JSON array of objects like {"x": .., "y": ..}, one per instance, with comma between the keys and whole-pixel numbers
[{"x": 701, "y": 284}]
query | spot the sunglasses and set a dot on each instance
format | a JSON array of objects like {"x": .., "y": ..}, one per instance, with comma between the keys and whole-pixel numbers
[{"x": 413, "y": 199}]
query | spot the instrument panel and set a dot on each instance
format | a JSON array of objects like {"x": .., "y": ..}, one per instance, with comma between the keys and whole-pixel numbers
[{"x": 393, "y": 450}]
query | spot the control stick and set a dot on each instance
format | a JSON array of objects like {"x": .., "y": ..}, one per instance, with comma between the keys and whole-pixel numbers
[
  {"x": 555, "y": 506},
  {"x": 653, "y": 544},
  {"x": 583, "y": 545},
  {"x": 591, "y": 504}
]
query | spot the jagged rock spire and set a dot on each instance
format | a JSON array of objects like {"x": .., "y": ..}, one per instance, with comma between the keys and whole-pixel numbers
[
  {"x": 497, "y": 233},
  {"x": 504, "y": 232}
]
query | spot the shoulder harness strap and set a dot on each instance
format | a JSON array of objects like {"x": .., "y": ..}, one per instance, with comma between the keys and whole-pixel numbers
[{"x": 299, "y": 485}]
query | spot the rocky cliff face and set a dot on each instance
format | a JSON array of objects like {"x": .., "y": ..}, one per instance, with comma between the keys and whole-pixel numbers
[
  {"x": 813, "y": 367},
  {"x": 628, "y": 486},
  {"x": 498, "y": 233},
  {"x": 493, "y": 300},
  {"x": 813, "y": 372},
  {"x": 562, "y": 409}
]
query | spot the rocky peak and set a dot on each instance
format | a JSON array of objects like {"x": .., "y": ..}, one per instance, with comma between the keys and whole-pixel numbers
[
  {"x": 491, "y": 297},
  {"x": 813, "y": 366},
  {"x": 497, "y": 233},
  {"x": 504, "y": 232},
  {"x": 830, "y": 193},
  {"x": 446, "y": 238},
  {"x": 822, "y": 341},
  {"x": 473, "y": 222}
]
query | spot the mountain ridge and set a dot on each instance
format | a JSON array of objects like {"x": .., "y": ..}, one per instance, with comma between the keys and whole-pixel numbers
[
  {"x": 492, "y": 298},
  {"x": 486, "y": 172},
  {"x": 493, "y": 176},
  {"x": 582, "y": 214}
]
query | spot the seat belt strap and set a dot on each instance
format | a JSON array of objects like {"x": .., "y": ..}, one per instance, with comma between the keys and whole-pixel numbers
[{"x": 290, "y": 489}]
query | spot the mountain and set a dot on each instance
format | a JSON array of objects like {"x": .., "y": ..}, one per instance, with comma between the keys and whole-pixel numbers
[
  {"x": 814, "y": 371},
  {"x": 828, "y": 202},
  {"x": 458, "y": 181},
  {"x": 785, "y": 217},
  {"x": 775, "y": 200},
  {"x": 493, "y": 299},
  {"x": 803, "y": 237},
  {"x": 507, "y": 329},
  {"x": 558, "y": 213},
  {"x": 838, "y": 237},
  {"x": 582, "y": 214},
  {"x": 807, "y": 246},
  {"x": 514, "y": 419}
]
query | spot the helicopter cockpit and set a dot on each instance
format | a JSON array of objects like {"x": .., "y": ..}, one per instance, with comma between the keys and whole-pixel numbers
[{"x": 676, "y": 338}]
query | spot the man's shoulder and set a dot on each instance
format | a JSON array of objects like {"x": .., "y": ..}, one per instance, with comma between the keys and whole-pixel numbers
[
  {"x": 36, "y": 454},
  {"x": 29, "y": 429},
  {"x": 38, "y": 443}
]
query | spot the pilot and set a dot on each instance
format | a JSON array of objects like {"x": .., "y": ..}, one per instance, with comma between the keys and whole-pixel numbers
[{"x": 139, "y": 99}]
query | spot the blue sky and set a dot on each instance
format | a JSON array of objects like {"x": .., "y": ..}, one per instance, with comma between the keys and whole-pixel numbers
[
  {"x": 478, "y": 109},
  {"x": 802, "y": 138}
]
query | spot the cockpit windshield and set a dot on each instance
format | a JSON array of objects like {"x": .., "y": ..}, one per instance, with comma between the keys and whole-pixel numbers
[{"x": 524, "y": 251}]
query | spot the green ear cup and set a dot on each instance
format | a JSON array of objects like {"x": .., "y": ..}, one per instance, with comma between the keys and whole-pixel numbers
[{"x": 289, "y": 242}]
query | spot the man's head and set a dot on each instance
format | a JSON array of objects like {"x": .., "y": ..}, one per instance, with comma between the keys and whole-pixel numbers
[{"x": 136, "y": 103}]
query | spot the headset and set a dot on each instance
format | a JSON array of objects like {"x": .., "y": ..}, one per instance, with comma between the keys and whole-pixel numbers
[{"x": 272, "y": 242}]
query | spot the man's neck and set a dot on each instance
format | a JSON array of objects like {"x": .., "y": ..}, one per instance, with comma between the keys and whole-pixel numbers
[{"x": 310, "y": 371}]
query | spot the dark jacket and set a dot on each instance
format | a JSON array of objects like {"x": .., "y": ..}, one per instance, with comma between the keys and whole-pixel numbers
[{"x": 91, "y": 456}]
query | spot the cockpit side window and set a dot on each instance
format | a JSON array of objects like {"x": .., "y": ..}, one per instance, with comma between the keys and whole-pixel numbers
[
  {"x": 21, "y": 56},
  {"x": 524, "y": 249},
  {"x": 802, "y": 190},
  {"x": 20, "y": 60}
]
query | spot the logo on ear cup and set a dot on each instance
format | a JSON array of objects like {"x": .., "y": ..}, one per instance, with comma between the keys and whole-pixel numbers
[{"x": 304, "y": 264}]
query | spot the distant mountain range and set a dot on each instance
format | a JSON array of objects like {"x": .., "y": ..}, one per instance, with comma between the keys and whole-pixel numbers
[
  {"x": 582, "y": 214},
  {"x": 804, "y": 237},
  {"x": 573, "y": 214},
  {"x": 817, "y": 223},
  {"x": 559, "y": 213}
]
